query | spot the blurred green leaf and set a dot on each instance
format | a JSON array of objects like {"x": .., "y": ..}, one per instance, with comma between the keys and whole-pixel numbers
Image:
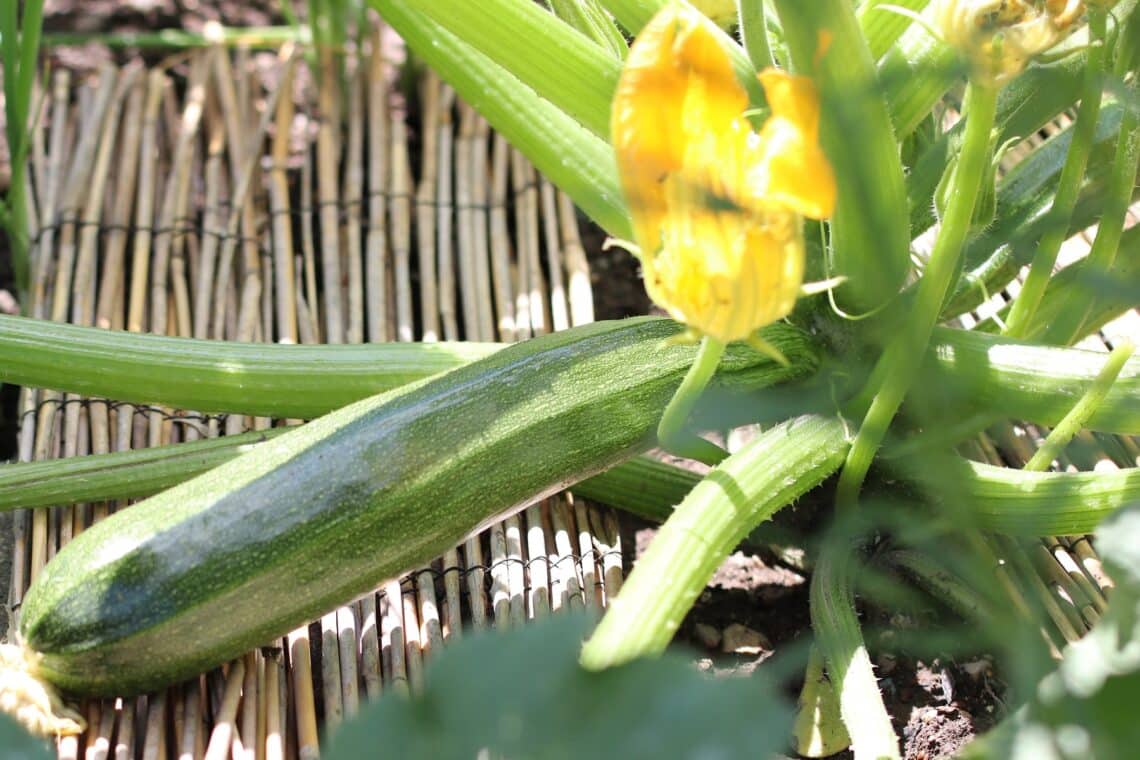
[
  {"x": 522, "y": 694},
  {"x": 883, "y": 26},
  {"x": 18, "y": 744},
  {"x": 560, "y": 63},
  {"x": 1086, "y": 708}
]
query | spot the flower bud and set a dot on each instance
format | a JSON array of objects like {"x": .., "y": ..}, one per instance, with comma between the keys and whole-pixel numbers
[
  {"x": 1000, "y": 37},
  {"x": 985, "y": 204}
]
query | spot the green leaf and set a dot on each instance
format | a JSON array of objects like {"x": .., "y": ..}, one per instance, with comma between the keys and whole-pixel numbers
[
  {"x": 522, "y": 694},
  {"x": 576, "y": 160},
  {"x": 1086, "y": 708},
  {"x": 561, "y": 64},
  {"x": 18, "y": 744}
]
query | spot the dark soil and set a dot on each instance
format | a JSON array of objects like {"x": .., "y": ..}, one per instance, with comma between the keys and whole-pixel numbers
[
  {"x": 936, "y": 706},
  {"x": 753, "y": 608}
]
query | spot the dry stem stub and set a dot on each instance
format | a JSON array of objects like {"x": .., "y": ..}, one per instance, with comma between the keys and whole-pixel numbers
[{"x": 31, "y": 700}]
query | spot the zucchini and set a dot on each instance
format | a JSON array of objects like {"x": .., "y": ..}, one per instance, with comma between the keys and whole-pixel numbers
[{"x": 246, "y": 552}]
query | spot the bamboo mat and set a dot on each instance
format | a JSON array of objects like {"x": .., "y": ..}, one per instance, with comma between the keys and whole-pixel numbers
[{"x": 179, "y": 207}]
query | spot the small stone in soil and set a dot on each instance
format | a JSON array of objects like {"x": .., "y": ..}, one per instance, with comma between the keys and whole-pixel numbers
[
  {"x": 707, "y": 635},
  {"x": 740, "y": 639}
]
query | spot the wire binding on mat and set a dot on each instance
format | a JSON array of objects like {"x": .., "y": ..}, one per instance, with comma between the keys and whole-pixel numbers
[{"x": 196, "y": 418}]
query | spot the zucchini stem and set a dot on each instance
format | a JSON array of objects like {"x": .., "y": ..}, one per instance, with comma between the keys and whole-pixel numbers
[
  {"x": 1024, "y": 308},
  {"x": 771, "y": 471},
  {"x": 754, "y": 31},
  {"x": 672, "y": 431},
  {"x": 900, "y": 362},
  {"x": 838, "y": 636},
  {"x": 1071, "y": 323},
  {"x": 1076, "y": 419}
]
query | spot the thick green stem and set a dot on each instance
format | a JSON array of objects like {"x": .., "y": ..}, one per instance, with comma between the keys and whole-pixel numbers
[
  {"x": 840, "y": 639},
  {"x": 818, "y": 728},
  {"x": 121, "y": 474},
  {"x": 1007, "y": 500},
  {"x": 1067, "y": 326},
  {"x": 989, "y": 374},
  {"x": 869, "y": 235},
  {"x": 1019, "y": 502},
  {"x": 903, "y": 356},
  {"x": 672, "y": 431},
  {"x": 754, "y": 31},
  {"x": 285, "y": 381},
  {"x": 289, "y": 381},
  {"x": 915, "y": 73},
  {"x": 553, "y": 59},
  {"x": 1078, "y": 417},
  {"x": 1003, "y": 378},
  {"x": 743, "y": 491},
  {"x": 591, "y": 19},
  {"x": 940, "y": 583},
  {"x": 19, "y": 48},
  {"x": 1025, "y": 306},
  {"x": 642, "y": 486}
]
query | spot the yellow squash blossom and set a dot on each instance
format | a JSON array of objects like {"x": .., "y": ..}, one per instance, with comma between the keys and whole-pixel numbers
[{"x": 717, "y": 208}]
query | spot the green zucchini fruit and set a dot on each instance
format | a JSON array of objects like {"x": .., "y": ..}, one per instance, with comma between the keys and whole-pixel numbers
[{"x": 242, "y": 554}]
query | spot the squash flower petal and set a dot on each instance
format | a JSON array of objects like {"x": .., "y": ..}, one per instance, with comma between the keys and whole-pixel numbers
[
  {"x": 717, "y": 208},
  {"x": 795, "y": 173}
]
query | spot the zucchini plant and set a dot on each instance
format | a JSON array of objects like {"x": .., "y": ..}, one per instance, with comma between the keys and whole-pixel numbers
[{"x": 813, "y": 150}]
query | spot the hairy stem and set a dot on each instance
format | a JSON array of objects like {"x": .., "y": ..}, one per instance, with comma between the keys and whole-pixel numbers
[
  {"x": 903, "y": 357},
  {"x": 1025, "y": 306}
]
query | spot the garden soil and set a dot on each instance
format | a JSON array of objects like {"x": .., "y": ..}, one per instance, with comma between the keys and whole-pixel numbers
[{"x": 754, "y": 608}]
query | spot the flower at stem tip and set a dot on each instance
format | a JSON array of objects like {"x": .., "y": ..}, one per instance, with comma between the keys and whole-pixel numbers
[
  {"x": 1000, "y": 37},
  {"x": 717, "y": 208}
]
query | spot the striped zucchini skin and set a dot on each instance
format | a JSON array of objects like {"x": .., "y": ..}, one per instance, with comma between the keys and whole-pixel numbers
[{"x": 248, "y": 551}]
